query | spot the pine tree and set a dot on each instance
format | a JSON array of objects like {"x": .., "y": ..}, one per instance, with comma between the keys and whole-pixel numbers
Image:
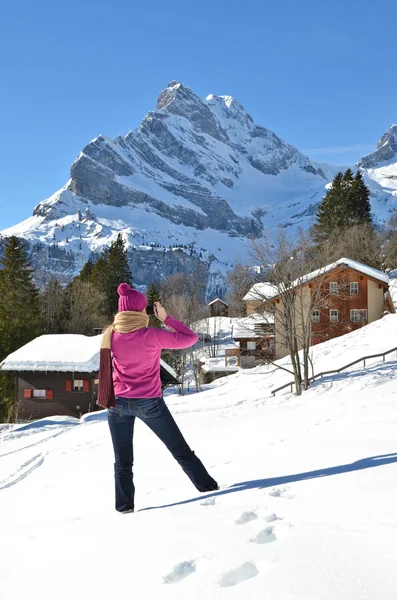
[
  {"x": 19, "y": 299},
  {"x": 86, "y": 272},
  {"x": 345, "y": 204},
  {"x": 109, "y": 271},
  {"x": 358, "y": 201},
  {"x": 19, "y": 310},
  {"x": 329, "y": 214},
  {"x": 153, "y": 295}
]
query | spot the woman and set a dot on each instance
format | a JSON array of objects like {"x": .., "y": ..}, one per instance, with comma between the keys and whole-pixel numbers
[{"x": 130, "y": 387}]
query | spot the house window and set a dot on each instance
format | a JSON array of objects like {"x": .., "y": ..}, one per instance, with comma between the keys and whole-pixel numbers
[
  {"x": 316, "y": 316},
  {"x": 47, "y": 394},
  {"x": 333, "y": 287},
  {"x": 354, "y": 288},
  {"x": 77, "y": 385},
  {"x": 333, "y": 315},
  {"x": 358, "y": 316},
  {"x": 251, "y": 345}
]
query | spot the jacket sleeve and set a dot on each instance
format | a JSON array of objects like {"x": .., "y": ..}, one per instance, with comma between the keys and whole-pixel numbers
[{"x": 182, "y": 338}]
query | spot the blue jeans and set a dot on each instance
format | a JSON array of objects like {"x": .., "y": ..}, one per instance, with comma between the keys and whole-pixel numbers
[{"x": 154, "y": 412}]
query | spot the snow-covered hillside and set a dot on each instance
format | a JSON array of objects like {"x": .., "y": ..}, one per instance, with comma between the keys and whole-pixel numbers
[
  {"x": 306, "y": 509},
  {"x": 197, "y": 173}
]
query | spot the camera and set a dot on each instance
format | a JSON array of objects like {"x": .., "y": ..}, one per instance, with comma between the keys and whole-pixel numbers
[{"x": 150, "y": 309}]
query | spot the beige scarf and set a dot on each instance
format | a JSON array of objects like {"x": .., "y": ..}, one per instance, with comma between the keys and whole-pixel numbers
[{"x": 124, "y": 322}]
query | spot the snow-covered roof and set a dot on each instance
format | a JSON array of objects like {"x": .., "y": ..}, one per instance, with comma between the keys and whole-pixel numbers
[
  {"x": 60, "y": 352},
  {"x": 261, "y": 291},
  {"x": 218, "y": 365},
  {"x": 218, "y": 300},
  {"x": 250, "y": 327},
  {"x": 348, "y": 262},
  {"x": 266, "y": 291},
  {"x": 56, "y": 352}
]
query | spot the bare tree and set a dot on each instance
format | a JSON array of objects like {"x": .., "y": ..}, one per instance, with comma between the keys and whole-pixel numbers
[
  {"x": 181, "y": 295},
  {"x": 51, "y": 307},
  {"x": 83, "y": 308},
  {"x": 240, "y": 279},
  {"x": 300, "y": 291},
  {"x": 359, "y": 242}
]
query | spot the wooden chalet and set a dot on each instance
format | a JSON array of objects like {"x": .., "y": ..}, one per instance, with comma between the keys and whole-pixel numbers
[
  {"x": 335, "y": 300},
  {"x": 257, "y": 300},
  {"x": 58, "y": 375},
  {"x": 255, "y": 336},
  {"x": 218, "y": 308}
]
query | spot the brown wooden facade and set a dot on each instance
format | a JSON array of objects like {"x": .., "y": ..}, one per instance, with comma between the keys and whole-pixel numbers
[
  {"x": 61, "y": 393},
  {"x": 218, "y": 308},
  {"x": 334, "y": 302},
  {"x": 360, "y": 299},
  {"x": 70, "y": 394},
  {"x": 262, "y": 353}
]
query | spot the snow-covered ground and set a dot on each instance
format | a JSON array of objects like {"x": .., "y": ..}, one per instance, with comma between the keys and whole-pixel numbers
[{"x": 307, "y": 508}]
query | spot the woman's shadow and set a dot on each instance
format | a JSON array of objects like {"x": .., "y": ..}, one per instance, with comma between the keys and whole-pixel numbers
[{"x": 363, "y": 463}]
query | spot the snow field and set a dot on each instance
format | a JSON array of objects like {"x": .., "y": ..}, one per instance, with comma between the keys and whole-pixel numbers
[{"x": 306, "y": 507}]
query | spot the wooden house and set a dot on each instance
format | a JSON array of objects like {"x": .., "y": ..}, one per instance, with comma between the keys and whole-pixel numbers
[
  {"x": 334, "y": 300},
  {"x": 218, "y": 308},
  {"x": 255, "y": 337},
  {"x": 257, "y": 299},
  {"x": 216, "y": 368},
  {"x": 58, "y": 375}
]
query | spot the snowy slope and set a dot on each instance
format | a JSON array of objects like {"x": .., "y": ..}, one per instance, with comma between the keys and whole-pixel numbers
[{"x": 307, "y": 508}]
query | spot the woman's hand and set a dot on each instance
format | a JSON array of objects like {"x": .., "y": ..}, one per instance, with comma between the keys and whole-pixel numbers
[{"x": 160, "y": 312}]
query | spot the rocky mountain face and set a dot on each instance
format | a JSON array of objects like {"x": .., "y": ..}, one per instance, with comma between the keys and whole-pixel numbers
[
  {"x": 195, "y": 181},
  {"x": 386, "y": 150}
]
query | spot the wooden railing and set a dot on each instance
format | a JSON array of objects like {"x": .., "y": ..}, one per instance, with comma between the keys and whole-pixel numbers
[{"x": 321, "y": 375}]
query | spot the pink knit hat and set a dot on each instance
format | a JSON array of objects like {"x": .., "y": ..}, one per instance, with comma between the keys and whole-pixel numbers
[{"x": 130, "y": 299}]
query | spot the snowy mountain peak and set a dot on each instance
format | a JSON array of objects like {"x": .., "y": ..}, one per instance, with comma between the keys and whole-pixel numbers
[
  {"x": 197, "y": 174},
  {"x": 386, "y": 151}
]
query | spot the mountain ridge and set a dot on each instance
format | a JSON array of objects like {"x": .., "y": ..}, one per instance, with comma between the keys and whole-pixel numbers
[{"x": 197, "y": 173}]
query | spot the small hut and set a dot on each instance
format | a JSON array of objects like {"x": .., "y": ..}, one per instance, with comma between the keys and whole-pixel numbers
[{"x": 218, "y": 308}]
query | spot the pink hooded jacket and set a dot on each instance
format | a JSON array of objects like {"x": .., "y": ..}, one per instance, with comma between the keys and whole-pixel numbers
[{"x": 136, "y": 357}]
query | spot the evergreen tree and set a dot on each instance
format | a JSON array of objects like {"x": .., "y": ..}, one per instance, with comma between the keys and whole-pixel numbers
[
  {"x": 153, "y": 295},
  {"x": 330, "y": 210},
  {"x": 19, "y": 299},
  {"x": 109, "y": 271},
  {"x": 19, "y": 310},
  {"x": 86, "y": 272},
  {"x": 358, "y": 201},
  {"x": 345, "y": 204}
]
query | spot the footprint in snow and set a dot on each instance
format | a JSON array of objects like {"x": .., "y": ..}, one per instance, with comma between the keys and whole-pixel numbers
[
  {"x": 246, "y": 517},
  {"x": 245, "y": 571},
  {"x": 280, "y": 493},
  {"x": 180, "y": 571},
  {"x": 271, "y": 517},
  {"x": 265, "y": 536}
]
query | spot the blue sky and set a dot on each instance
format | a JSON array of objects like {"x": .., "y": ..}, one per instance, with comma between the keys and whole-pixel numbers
[{"x": 321, "y": 75}]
